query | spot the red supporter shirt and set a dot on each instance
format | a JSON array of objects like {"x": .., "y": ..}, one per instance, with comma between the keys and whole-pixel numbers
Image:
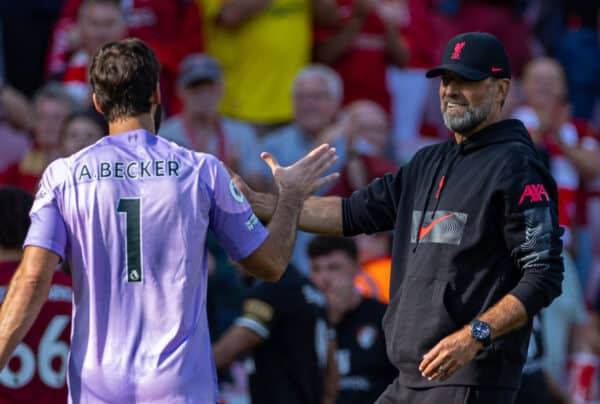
[
  {"x": 37, "y": 369},
  {"x": 363, "y": 66},
  {"x": 26, "y": 173},
  {"x": 11, "y": 175},
  {"x": 375, "y": 166},
  {"x": 418, "y": 34},
  {"x": 173, "y": 29},
  {"x": 563, "y": 170},
  {"x": 591, "y": 189}
]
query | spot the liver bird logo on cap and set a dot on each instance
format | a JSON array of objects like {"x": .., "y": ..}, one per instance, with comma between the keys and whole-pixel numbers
[{"x": 457, "y": 50}]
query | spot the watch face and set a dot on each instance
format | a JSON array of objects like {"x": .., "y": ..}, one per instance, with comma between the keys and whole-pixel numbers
[{"x": 480, "y": 330}]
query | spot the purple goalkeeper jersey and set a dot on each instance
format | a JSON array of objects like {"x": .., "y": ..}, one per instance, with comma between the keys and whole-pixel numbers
[{"x": 131, "y": 214}]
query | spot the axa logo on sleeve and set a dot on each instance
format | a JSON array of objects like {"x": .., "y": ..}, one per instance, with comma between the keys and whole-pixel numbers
[{"x": 535, "y": 193}]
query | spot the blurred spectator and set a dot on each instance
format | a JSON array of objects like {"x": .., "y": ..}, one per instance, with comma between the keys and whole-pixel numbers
[
  {"x": 587, "y": 247},
  {"x": 359, "y": 46},
  {"x": 284, "y": 328},
  {"x": 262, "y": 45},
  {"x": 558, "y": 322},
  {"x": 15, "y": 108},
  {"x": 201, "y": 127},
  {"x": 317, "y": 94},
  {"x": 588, "y": 215},
  {"x": 52, "y": 104},
  {"x": 535, "y": 384},
  {"x": 545, "y": 17},
  {"x": 367, "y": 133},
  {"x": 15, "y": 114},
  {"x": 375, "y": 257},
  {"x": 37, "y": 369},
  {"x": 579, "y": 53},
  {"x": 493, "y": 16},
  {"x": 546, "y": 115},
  {"x": 361, "y": 354},
  {"x": 171, "y": 28},
  {"x": 409, "y": 87},
  {"x": 98, "y": 22},
  {"x": 82, "y": 129}
]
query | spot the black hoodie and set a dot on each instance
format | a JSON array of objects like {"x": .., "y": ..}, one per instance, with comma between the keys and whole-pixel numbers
[{"x": 490, "y": 229}]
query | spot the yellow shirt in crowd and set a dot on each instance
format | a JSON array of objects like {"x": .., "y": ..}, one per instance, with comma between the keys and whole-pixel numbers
[{"x": 260, "y": 58}]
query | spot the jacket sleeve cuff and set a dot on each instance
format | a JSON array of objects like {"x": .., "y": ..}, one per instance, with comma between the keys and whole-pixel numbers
[
  {"x": 346, "y": 217},
  {"x": 530, "y": 297}
]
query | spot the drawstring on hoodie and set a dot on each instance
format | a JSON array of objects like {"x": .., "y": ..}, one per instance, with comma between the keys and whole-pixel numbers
[
  {"x": 440, "y": 186},
  {"x": 437, "y": 171},
  {"x": 438, "y": 193},
  {"x": 444, "y": 179}
]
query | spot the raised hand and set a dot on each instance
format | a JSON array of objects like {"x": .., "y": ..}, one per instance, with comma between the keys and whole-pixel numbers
[{"x": 305, "y": 176}]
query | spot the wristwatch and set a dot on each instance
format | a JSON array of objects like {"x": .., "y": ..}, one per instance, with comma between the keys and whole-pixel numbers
[{"x": 481, "y": 331}]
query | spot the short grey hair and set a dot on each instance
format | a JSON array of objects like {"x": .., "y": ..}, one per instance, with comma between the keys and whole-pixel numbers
[{"x": 333, "y": 80}]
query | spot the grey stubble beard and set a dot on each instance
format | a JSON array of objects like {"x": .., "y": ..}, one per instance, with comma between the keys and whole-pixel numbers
[{"x": 470, "y": 119}]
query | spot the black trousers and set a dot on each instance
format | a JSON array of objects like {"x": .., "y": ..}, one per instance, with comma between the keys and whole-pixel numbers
[{"x": 398, "y": 394}]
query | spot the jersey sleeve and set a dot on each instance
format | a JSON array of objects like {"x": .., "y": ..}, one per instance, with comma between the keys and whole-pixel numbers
[
  {"x": 258, "y": 316},
  {"x": 231, "y": 218},
  {"x": 259, "y": 312},
  {"x": 48, "y": 229},
  {"x": 372, "y": 209},
  {"x": 532, "y": 234}
]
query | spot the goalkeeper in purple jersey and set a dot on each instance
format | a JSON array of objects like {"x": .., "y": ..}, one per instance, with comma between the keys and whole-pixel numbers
[{"x": 130, "y": 214}]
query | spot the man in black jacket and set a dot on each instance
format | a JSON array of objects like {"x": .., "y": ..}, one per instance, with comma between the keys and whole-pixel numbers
[
  {"x": 476, "y": 251},
  {"x": 364, "y": 369}
]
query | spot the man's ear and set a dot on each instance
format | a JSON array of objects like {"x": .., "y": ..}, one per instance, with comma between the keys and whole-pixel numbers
[
  {"x": 96, "y": 104},
  {"x": 503, "y": 89}
]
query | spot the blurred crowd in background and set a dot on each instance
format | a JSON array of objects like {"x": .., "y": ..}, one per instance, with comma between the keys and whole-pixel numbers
[{"x": 243, "y": 76}]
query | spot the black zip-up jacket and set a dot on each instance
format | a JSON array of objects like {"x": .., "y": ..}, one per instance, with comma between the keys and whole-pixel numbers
[{"x": 490, "y": 229}]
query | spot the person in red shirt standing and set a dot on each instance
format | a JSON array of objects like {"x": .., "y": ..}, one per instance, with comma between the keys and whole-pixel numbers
[
  {"x": 574, "y": 156},
  {"x": 361, "y": 44},
  {"x": 366, "y": 129},
  {"x": 36, "y": 371},
  {"x": 98, "y": 22},
  {"x": 173, "y": 29}
]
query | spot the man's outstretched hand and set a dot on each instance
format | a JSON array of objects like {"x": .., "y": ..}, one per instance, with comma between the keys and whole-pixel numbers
[{"x": 305, "y": 176}]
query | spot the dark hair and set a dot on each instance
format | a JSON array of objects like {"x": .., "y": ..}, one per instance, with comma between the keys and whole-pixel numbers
[
  {"x": 323, "y": 245},
  {"x": 15, "y": 205},
  {"x": 123, "y": 75}
]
